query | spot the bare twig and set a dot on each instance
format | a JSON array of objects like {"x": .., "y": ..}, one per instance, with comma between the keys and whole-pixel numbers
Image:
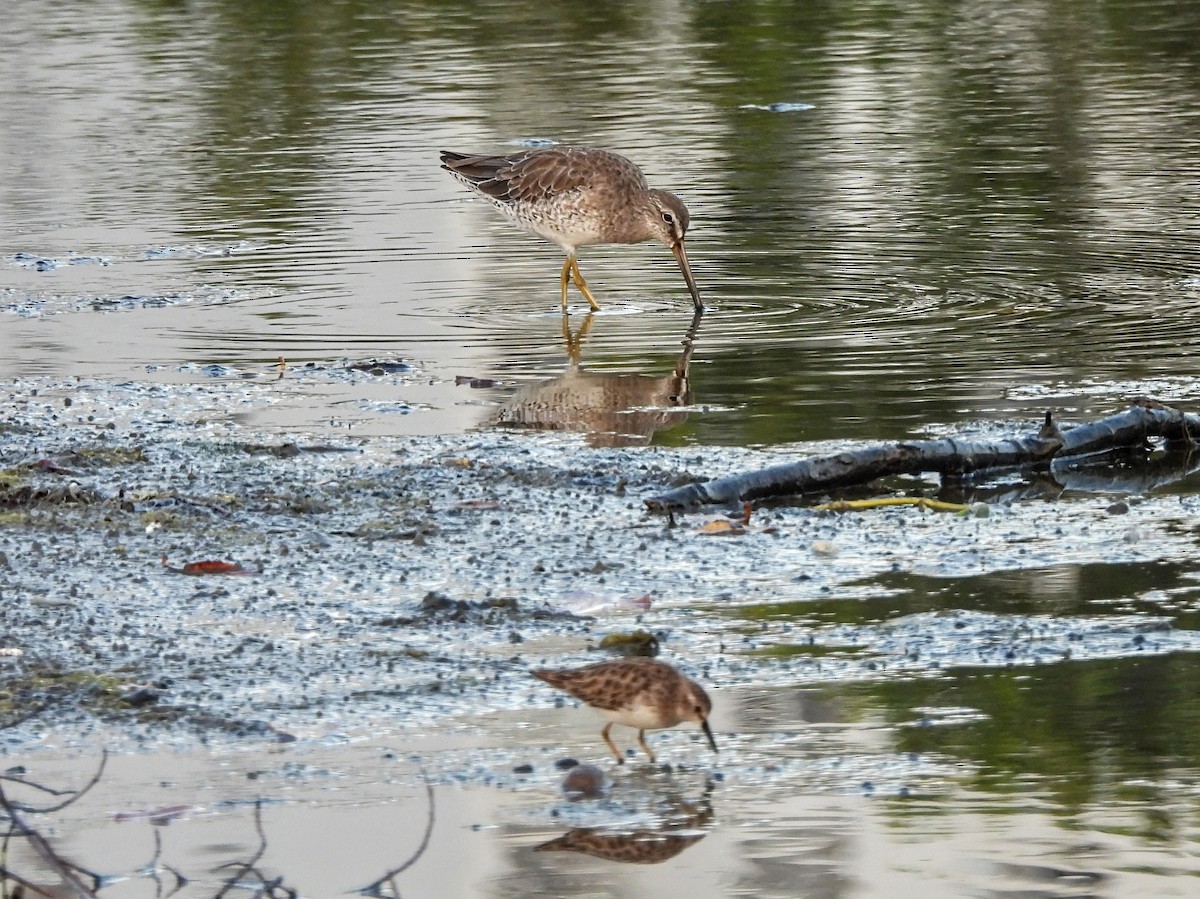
[
  {"x": 74, "y": 795},
  {"x": 269, "y": 888},
  {"x": 373, "y": 888},
  {"x": 67, "y": 872},
  {"x": 247, "y": 867},
  {"x": 6, "y": 874},
  {"x": 152, "y": 867}
]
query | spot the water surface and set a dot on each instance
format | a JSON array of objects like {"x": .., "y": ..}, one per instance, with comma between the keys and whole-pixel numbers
[{"x": 985, "y": 211}]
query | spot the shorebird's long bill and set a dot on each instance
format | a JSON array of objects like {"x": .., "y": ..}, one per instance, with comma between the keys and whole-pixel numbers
[
  {"x": 681, "y": 256},
  {"x": 708, "y": 733}
]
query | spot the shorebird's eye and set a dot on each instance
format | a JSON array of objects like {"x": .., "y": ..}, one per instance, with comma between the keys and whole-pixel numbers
[{"x": 668, "y": 218}]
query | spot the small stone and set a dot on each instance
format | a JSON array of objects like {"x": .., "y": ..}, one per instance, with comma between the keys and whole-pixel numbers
[
  {"x": 585, "y": 782},
  {"x": 141, "y": 696}
]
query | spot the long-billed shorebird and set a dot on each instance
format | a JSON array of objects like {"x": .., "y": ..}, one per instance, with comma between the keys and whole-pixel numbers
[{"x": 578, "y": 197}]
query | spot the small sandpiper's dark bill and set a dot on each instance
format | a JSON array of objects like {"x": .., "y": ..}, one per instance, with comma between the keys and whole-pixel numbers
[
  {"x": 578, "y": 197},
  {"x": 641, "y": 693}
]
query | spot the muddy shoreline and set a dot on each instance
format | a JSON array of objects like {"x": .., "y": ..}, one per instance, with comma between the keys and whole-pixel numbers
[{"x": 388, "y": 584}]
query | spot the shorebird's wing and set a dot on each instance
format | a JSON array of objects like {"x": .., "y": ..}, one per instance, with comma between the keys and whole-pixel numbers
[
  {"x": 606, "y": 685},
  {"x": 536, "y": 175}
]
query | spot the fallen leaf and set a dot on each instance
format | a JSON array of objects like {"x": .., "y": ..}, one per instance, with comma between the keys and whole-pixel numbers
[
  {"x": 209, "y": 566},
  {"x": 214, "y": 566},
  {"x": 722, "y": 527}
]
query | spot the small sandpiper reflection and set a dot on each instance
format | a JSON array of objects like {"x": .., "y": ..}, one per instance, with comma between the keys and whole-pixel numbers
[{"x": 686, "y": 824}]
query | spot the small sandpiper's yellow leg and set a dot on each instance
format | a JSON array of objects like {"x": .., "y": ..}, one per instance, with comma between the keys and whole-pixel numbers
[
  {"x": 611, "y": 745},
  {"x": 582, "y": 284},
  {"x": 642, "y": 741}
]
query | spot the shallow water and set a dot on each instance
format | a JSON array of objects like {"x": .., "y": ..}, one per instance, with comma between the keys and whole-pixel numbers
[
  {"x": 967, "y": 213},
  {"x": 983, "y": 213}
]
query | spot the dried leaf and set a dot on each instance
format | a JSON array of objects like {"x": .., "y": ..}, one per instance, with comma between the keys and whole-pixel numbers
[
  {"x": 209, "y": 566},
  {"x": 214, "y": 566},
  {"x": 722, "y": 527}
]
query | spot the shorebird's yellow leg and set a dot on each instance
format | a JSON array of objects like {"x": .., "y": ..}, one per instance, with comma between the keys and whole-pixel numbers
[
  {"x": 566, "y": 274},
  {"x": 582, "y": 285},
  {"x": 642, "y": 741},
  {"x": 611, "y": 745}
]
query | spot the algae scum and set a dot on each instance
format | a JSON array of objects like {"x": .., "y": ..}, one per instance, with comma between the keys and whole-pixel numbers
[{"x": 389, "y": 584}]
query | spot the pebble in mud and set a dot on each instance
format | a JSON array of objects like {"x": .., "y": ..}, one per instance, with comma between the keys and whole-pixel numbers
[{"x": 585, "y": 782}]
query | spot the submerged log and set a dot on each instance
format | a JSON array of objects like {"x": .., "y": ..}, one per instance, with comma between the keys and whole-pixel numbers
[{"x": 951, "y": 458}]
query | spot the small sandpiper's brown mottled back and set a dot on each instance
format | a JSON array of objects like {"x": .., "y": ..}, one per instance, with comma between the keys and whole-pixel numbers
[
  {"x": 577, "y": 197},
  {"x": 637, "y": 692}
]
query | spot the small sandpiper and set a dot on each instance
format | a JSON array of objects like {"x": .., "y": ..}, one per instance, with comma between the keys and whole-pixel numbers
[
  {"x": 578, "y": 197},
  {"x": 645, "y": 694}
]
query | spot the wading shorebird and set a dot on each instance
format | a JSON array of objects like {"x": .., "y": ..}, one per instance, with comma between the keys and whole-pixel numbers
[
  {"x": 578, "y": 197},
  {"x": 637, "y": 692}
]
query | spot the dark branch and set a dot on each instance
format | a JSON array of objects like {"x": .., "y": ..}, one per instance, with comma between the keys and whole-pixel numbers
[
  {"x": 246, "y": 867},
  {"x": 74, "y": 795},
  {"x": 67, "y": 872},
  {"x": 953, "y": 459}
]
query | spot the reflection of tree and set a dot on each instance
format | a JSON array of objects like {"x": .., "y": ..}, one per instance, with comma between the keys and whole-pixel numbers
[
  {"x": 263, "y": 99},
  {"x": 614, "y": 409},
  {"x": 71, "y": 874},
  {"x": 376, "y": 887},
  {"x": 77, "y": 882},
  {"x": 267, "y": 887},
  {"x": 1084, "y": 730}
]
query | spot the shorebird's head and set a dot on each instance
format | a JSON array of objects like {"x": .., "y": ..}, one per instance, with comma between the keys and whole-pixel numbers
[
  {"x": 667, "y": 222},
  {"x": 698, "y": 708}
]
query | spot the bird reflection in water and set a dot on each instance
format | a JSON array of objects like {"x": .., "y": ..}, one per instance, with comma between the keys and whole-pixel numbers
[
  {"x": 684, "y": 824},
  {"x": 614, "y": 409}
]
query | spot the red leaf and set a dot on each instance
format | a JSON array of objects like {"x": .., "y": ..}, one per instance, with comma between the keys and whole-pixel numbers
[{"x": 214, "y": 566}]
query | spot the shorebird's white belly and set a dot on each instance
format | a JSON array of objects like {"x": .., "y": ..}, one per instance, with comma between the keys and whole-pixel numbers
[
  {"x": 567, "y": 237},
  {"x": 562, "y": 222},
  {"x": 643, "y": 717}
]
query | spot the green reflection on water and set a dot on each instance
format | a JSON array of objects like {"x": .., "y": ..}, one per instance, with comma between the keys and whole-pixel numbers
[
  {"x": 1152, "y": 588},
  {"x": 1083, "y": 729},
  {"x": 1120, "y": 730}
]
